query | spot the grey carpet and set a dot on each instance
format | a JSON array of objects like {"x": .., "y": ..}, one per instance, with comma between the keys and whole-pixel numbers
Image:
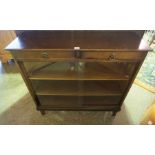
[{"x": 24, "y": 112}]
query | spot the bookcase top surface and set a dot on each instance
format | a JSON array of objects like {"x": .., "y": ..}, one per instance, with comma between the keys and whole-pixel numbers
[{"x": 84, "y": 39}]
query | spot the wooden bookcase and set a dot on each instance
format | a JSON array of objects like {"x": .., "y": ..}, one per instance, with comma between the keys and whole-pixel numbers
[{"x": 79, "y": 70}]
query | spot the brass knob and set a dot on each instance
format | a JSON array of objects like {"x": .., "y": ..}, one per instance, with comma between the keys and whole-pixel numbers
[
  {"x": 45, "y": 55},
  {"x": 111, "y": 57}
]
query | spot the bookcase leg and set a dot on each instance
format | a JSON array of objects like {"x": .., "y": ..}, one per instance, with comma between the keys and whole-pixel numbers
[
  {"x": 42, "y": 112},
  {"x": 114, "y": 113}
]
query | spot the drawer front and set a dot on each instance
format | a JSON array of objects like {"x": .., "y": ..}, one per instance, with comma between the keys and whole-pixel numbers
[
  {"x": 60, "y": 55},
  {"x": 42, "y": 55},
  {"x": 114, "y": 56}
]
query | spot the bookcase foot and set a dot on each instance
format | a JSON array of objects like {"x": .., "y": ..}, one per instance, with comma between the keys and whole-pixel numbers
[
  {"x": 42, "y": 112},
  {"x": 114, "y": 113}
]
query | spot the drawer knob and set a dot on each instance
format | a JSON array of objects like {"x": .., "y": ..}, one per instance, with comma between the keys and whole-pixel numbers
[
  {"x": 45, "y": 55},
  {"x": 77, "y": 52},
  {"x": 111, "y": 57}
]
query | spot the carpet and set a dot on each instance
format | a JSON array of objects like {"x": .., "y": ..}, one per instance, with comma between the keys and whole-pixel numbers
[
  {"x": 146, "y": 75},
  {"x": 23, "y": 112},
  {"x": 149, "y": 115}
]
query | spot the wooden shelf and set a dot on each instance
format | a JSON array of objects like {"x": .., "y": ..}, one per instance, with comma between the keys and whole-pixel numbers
[
  {"x": 77, "y": 88},
  {"x": 90, "y": 71},
  {"x": 84, "y": 108}
]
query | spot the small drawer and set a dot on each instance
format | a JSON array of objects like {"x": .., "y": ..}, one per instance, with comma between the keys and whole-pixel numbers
[
  {"x": 42, "y": 55},
  {"x": 113, "y": 56}
]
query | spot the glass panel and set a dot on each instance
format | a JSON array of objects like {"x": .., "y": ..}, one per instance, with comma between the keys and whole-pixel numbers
[
  {"x": 79, "y": 70},
  {"x": 59, "y": 101},
  {"x": 101, "y": 100},
  {"x": 74, "y": 101},
  {"x": 79, "y": 88}
]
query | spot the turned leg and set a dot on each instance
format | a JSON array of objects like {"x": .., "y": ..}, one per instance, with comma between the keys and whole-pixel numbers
[
  {"x": 114, "y": 113},
  {"x": 42, "y": 112}
]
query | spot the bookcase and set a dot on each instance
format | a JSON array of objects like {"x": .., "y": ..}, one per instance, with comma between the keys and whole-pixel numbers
[{"x": 79, "y": 69}]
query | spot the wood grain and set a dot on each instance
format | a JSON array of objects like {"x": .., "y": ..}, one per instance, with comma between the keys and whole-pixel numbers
[{"x": 85, "y": 39}]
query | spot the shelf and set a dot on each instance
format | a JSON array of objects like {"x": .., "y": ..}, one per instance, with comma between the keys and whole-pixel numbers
[
  {"x": 77, "y": 88},
  {"x": 89, "y": 71},
  {"x": 84, "y": 108}
]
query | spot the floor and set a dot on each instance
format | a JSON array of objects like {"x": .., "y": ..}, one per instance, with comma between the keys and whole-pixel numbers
[
  {"x": 146, "y": 75},
  {"x": 17, "y": 106}
]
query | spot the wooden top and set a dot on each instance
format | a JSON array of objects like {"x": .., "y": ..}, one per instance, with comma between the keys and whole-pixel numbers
[{"x": 85, "y": 39}]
